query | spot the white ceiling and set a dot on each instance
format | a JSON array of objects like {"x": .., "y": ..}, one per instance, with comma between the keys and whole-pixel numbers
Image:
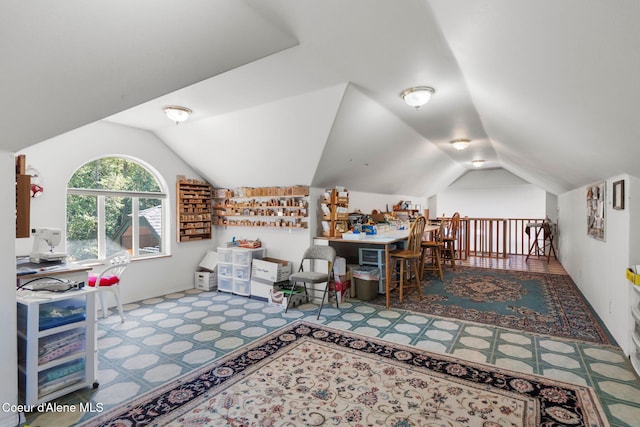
[{"x": 289, "y": 92}]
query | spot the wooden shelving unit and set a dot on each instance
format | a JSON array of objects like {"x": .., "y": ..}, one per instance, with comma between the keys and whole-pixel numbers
[
  {"x": 23, "y": 198},
  {"x": 276, "y": 207},
  {"x": 194, "y": 210},
  {"x": 334, "y": 207}
]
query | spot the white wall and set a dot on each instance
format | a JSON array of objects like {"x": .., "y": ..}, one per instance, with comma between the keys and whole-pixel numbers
[
  {"x": 491, "y": 194},
  {"x": 598, "y": 267},
  {"x": 366, "y": 202},
  {"x": 552, "y": 207},
  {"x": 8, "y": 351},
  {"x": 58, "y": 158}
]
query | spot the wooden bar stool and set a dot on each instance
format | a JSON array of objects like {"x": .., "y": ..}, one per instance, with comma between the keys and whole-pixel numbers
[
  {"x": 449, "y": 240},
  {"x": 410, "y": 259},
  {"x": 432, "y": 253}
]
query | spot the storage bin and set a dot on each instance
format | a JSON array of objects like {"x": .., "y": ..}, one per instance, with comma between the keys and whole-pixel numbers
[
  {"x": 225, "y": 269},
  {"x": 225, "y": 284},
  {"x": 60, "y": 313},
  {"x": 366, "y": 289},
  {"x": 225, "y": 255},
  {"x": 59, "y": 345},
  {"x": 242, "y": 287},
  {"x": 242, "y": 272},
  {"x": 60, "y": 376},
  {"x": 373, "y": 256},
  {"x": 243, "y": 256}
]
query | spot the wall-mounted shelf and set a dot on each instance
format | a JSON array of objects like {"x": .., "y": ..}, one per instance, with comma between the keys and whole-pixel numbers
[
  {"x": 23, "y": 198},
  {"x": 194, "y": 210},
  {"x": 273, "y": 207}
]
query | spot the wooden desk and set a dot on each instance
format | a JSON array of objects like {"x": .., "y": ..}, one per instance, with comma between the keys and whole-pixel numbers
[{"x": 382, "y": 239}]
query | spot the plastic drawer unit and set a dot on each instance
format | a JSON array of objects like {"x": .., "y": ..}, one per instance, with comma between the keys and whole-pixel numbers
[
  {"x": 375, "y": 257},
  {"x": 234, "y": 269},
  {"x": 57, "y": 351}
]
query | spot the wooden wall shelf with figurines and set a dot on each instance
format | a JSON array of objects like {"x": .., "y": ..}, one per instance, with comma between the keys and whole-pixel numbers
[{"x": 274, "y": 207}]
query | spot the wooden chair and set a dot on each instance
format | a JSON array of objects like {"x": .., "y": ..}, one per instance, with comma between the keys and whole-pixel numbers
[
  {"x": 432, "y": 252},
  {"x": 409, "y": 259},
  {"x": 449, "y": 240}
]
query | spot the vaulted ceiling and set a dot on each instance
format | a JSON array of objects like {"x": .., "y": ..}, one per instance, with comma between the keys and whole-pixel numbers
[{"x": 307, "y": 92}]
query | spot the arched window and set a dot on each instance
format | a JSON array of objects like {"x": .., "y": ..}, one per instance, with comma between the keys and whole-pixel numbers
[{"x": 114, "y": 204}]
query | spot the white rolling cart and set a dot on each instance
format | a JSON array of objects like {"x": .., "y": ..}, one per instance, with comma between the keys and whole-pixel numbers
[{"x": 56, "y": 332}]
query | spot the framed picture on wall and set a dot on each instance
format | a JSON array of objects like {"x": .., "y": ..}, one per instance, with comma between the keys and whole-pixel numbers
[
  {"x": 595, "y": 210},
  {"x": 618, "y": 195}
]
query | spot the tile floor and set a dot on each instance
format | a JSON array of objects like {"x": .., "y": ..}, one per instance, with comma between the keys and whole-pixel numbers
[{"x": 163, "y": 338}]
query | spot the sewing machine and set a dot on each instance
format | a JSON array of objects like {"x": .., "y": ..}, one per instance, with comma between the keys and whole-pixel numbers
[{"x": 44, "y": 242}]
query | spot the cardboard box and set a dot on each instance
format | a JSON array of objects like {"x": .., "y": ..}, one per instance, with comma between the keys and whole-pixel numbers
[
  {"x": 206, "y": 280},
  {"x": 279, "y": 299},
  {"x": 343, "y": 289},
  {"x": 209, "y": 261},
  {"x": 340, "y": 266},
  {"x": 260, "y": 288},
  {"x": 271, "y": 269}
]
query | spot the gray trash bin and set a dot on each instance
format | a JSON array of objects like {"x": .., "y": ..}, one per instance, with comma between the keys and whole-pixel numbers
[{"x": 366, "y": 282}]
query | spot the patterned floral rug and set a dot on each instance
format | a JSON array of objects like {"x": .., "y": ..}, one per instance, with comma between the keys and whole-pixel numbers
[
  {"x": 308, "y": 374},
  {"x": 548, "y": 304}
]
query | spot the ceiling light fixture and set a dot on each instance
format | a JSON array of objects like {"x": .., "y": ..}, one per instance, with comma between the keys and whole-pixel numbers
[
  {"x": 176, "y": 113},
  {"x": 417, "y": 96},
  {"x": 460, "y": 144},
  {"x": 478, "y": 163}
]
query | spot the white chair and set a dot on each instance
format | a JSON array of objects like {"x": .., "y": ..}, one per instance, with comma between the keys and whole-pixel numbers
[{"x": 109, "y": 279}]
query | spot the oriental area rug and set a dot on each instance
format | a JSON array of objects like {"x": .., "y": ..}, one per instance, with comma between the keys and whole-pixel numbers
[
  {"x": 549, "y": 304},
  {"x": 309, "y": 374}
]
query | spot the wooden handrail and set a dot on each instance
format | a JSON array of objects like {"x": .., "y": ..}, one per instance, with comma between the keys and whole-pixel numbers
[{"x": 493, "y": 237}]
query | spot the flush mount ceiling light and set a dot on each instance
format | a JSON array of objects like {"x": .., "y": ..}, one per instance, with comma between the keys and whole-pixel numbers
[
  {"x": 460, "y": 144},
  {"x": 417, "y": 96},
  {"x": 176, "y": 113},
  {"x": 478, "y": 163}
]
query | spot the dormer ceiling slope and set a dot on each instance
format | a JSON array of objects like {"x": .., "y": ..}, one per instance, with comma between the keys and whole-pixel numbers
[{"x": 289, "y": 92}]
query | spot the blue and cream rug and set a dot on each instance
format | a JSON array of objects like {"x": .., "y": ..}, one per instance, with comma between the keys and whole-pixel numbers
[
  {"x": 309, "y": 374},
  {"x": 548, "y": 304}
]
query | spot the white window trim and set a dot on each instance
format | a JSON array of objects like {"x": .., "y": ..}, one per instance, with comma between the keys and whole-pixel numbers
[{"x": 101, "y": 194}]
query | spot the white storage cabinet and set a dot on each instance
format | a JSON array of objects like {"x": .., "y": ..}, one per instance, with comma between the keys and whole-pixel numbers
[{"x": 57, "y": 351}]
